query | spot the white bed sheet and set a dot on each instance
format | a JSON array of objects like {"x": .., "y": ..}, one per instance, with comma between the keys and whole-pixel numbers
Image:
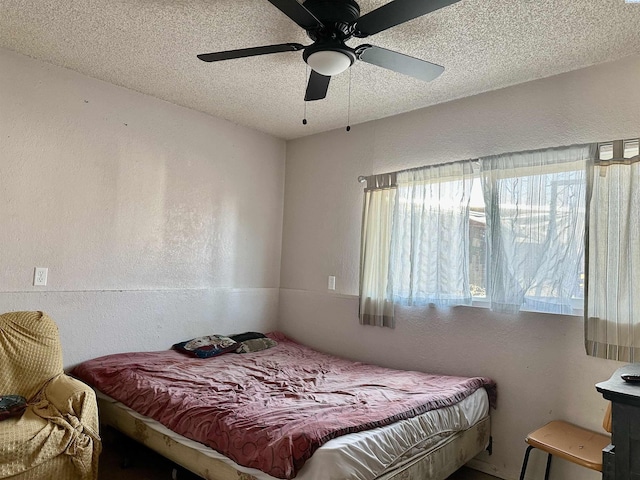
[{"x": 366, "y": 454}]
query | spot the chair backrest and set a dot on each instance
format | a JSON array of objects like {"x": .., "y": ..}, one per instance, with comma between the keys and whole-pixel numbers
[
  {"x": 606, "y": 421},
  {"x": 30, "y": 352}
]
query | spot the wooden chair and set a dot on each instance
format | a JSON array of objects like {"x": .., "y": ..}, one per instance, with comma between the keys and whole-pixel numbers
[{"x": 570, "y": 442}]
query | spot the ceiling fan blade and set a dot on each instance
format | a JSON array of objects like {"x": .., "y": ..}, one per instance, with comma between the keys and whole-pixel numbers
[
  {"x": 394, "y": 13},
  {"x": 298, "y": 13},
  {"x": 398, "y": 62},
  {"x": 249, "y": 52},
  {"x": 317, "y": 86}
]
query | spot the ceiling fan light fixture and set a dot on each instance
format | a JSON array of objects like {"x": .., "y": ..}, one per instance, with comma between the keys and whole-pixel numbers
[{"x": 329, "y": 62}]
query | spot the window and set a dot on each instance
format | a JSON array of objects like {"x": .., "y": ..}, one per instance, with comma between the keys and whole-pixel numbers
[
  {"x": 536, "y": 229},
  {"x": 429, "y": 251},
  {"x": 508, "y": 229}
]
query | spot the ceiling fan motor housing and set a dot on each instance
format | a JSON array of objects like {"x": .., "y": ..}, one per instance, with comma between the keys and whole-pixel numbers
[{"x": 337, "y": 17}]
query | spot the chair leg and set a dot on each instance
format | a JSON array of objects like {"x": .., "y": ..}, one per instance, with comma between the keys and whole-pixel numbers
[
  {"x": 525, "y": 461},
  {"x": 546, "y": 472}
]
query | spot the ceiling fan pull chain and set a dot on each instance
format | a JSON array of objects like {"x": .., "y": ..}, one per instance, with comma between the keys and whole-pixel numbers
[
  {"x": 349, "y": 105},
  {"x": 306, "y": 74}
]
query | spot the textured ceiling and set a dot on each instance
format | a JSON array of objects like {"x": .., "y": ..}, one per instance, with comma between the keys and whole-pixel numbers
[{"x": 151, "y": 46}]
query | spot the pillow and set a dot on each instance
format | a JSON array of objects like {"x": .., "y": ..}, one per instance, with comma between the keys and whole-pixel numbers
[
  {"x": 241, "y": 337},
  {"x": 206, "y": 347},
  {"x": 12, "y": 406},
  {"x": 255, "y": 345}
]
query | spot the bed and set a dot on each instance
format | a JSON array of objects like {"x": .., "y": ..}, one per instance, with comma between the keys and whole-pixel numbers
[{"x": 292, "y": 412}]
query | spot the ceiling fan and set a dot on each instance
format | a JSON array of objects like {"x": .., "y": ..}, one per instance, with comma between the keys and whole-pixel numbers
[{"x": 330, "y": 23}]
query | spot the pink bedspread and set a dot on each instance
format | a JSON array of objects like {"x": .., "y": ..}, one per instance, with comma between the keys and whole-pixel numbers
[{"x": 271, "y": 409}]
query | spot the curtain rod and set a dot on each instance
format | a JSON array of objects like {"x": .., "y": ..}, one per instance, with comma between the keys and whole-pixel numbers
[{"x": 363, "y": 178}]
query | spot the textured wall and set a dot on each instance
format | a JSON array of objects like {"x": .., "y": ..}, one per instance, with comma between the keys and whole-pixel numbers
[
  {"x": 156, "y": 222},
  {"x": 538, "y": 360}
]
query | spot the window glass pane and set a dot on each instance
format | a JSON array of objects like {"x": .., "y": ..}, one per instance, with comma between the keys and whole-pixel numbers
[
  {"x": 554, "y": 232},
  {"x": 535, "y": 228},
  {"x": 477, "y": 242},
  {"x": 553, "y": 208},
  {"x": 606, "y": 151},
  {"x": 430, "y": 239},
  {"x": 631, "y": 148}
]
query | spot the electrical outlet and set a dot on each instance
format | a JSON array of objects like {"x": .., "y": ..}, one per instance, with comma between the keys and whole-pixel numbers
[
  {"x": 331, "y": 284},
  {"x": 40, "y": 276}
]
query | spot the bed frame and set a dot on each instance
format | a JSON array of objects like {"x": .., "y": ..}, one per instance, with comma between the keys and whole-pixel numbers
[{"x": 437, "y": 463}]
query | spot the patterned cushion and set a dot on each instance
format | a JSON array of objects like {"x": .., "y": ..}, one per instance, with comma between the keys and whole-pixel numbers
[
  {"x": 255, "y": 345},
  {"x": 241, "y": 337},
  {"x": 205, "y": 347},
  {"x": 12, "y": 406}
]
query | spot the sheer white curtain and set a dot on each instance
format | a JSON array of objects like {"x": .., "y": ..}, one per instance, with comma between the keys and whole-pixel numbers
[
  {"x": 415, "y": 240},
  {"x": 612, "y": 328},
  {"x": 376, "y": 306},
  {"x": 535, "y": 211},
  {"x": 430, "y": 239}
]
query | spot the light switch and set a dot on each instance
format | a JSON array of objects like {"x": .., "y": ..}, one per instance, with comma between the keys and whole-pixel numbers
[
  {"x": 40, "y": 276},
  {"x": 331, "y": 284}
]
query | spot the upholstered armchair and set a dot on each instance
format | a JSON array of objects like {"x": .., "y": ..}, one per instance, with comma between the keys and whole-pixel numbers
[{"x": 56, "y": 438}]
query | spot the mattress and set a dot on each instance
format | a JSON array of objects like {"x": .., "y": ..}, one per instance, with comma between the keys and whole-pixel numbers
[{"x": 364, "y": 455}]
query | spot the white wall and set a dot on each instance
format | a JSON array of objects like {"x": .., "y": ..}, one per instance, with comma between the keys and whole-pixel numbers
[
  {"x": 157, "y": 223},
  {"x": 537, "y": 360}
]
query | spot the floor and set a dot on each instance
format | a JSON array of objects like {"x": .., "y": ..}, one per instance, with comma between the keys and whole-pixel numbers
[{"x": 147, "y": 465}]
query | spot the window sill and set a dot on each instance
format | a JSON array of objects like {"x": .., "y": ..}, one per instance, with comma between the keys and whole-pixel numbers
[{"x": 578, "y": 307}]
